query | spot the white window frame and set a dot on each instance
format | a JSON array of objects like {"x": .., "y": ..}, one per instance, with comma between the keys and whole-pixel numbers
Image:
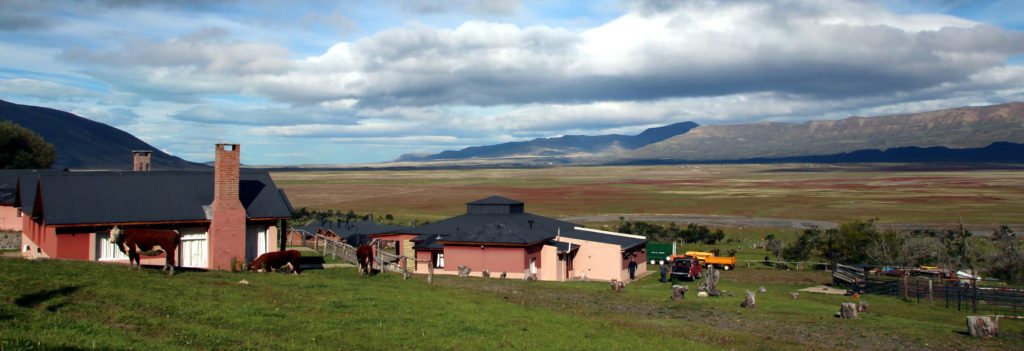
[
  {"x": 107, "y": 251},
  {"x": 439, "y": 262}
]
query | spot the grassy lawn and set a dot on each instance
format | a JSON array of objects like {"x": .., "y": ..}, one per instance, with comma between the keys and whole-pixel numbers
[{"x": 63, "y": 304}]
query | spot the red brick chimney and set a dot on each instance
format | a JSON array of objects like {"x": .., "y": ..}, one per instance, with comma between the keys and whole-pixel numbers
[
  {"x": 227, "y": 227},
  {"x": 140, "y": 160}
]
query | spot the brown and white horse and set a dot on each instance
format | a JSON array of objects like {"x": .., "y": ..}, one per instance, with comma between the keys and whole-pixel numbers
[{"x": 150, "y": 242}]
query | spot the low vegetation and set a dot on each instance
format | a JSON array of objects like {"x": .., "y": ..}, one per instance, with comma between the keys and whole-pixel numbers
[{"x": 84, "y": 305}]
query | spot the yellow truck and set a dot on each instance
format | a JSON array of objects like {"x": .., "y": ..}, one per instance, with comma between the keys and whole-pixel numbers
[{"x": 709, "y": 259}]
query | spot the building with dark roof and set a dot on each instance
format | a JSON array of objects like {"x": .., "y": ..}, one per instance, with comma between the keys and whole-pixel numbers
[
  {"x": 340, "y": 230},
  {"x": 498, "y": 235},
  {"x": 223, "y": 216}
]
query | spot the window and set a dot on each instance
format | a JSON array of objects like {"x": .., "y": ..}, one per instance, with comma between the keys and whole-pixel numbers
[
  {"x": 438, "y": 260},
  {"x": 105, "y": 250}
]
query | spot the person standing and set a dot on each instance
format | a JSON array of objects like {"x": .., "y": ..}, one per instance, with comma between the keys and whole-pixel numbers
[
  {"x": 632, "y": 269},
  {"x": 664, "y": 270}
]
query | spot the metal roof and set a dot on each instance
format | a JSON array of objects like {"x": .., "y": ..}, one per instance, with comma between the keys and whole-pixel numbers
[
  {"x": 346, "y": 229},
  {"x": 507, "y": 228},
  {"x": 159, "y": 196},
  {"x": 496, "y": 200}
]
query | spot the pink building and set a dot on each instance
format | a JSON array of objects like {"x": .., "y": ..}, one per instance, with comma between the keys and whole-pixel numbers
[
  {"x": 223, "y": 216},
  {"x": 496, "y": 234}
]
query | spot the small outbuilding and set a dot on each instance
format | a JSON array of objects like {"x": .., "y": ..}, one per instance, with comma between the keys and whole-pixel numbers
[{"x": 497, "y": 234}]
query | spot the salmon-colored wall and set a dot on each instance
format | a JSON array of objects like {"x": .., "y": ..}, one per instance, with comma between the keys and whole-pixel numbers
[
  {"x": 601, "y": 261},
  {"x": 38, "y": 237},
  {"x": 550, "y": 269},
  {"x": 496, "y": 259},
  {"x": 74, "y": 246},
  {"x": 9, "y": 219},
  {"x": 422, "y": 260}
]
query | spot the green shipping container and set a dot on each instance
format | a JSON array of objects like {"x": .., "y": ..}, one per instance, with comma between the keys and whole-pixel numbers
[{"x": 659, "y": 251}]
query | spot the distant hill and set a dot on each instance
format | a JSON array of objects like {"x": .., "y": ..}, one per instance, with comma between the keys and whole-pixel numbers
[
  {"x": 561, "y": 146},
  {"x": 957, "y": 128},
  {"x": 81, "y": 143}
]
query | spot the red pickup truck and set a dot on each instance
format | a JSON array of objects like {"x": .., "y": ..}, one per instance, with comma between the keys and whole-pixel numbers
[{"x": 685, "y": 268}]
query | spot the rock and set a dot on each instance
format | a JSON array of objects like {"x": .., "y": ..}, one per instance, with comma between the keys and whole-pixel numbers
[
  {"x": 749, "y": 302},
  {"x": 983, "y": 326},
  {"x": 243, "y": 282},
  {"x": 795, "y": 295},
  {"x": 762, "y": 290},
  {"x": 702, "y": 294},
  {"x": 848, "y": 310}
]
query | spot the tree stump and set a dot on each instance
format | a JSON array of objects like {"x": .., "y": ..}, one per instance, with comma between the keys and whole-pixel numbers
[
  {"x": 795, "y": 295},
  {"x": 749, "y": 302},
  {"x": 710, "y": 283},
  {"x": 618, "y": 286},
  {"x": 983, "y": 326},
  {"x": 679, "y": 292},
  {"x": 862, "y": 307},
  {"x": 848, "y": 310},
  {"x": 464, "y": 271},
  {"x": 762, "y": 290},
  {"x": 486, "y": 273},
  {"x": 584, "y": 277},
  {"x": 502, "y": 276}
]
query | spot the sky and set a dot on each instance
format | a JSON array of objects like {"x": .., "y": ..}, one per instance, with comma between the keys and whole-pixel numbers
[{"x": 332, "y": 82}]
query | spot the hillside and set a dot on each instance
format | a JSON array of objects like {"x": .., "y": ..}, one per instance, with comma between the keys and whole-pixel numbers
[
  {"x": 561, "y": 146},
  {"x": 81, "y": 143},
  {"x": 89, "y": 305},
  {"x": 958, "y": 128}
]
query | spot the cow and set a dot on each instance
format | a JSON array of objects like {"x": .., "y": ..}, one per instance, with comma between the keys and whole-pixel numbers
[
  {"x": 364, "y": 254},
  {"x": 270, "y": 261},
  {"x": 150, "y": 242}
]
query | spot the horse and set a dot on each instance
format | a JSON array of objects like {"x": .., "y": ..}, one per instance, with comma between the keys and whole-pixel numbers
[
  {"x": 276, "y": 260},
  {"x": 150, "y": 242},
  {"x": 364, "y": 256}
]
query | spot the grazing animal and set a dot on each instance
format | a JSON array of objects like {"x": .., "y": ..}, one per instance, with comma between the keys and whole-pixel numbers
[
  {"x": 270, "y": 261},
  {"x": 150, "y": 242},
  {"x": 364, "y": 254}
]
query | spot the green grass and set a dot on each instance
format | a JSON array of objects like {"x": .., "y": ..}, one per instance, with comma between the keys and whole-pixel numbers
[{"x": 64, "y": 304}]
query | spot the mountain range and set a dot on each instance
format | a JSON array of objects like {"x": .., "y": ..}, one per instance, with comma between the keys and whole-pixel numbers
[
  {"x": 80, "y": 143},
  {"x": 562, "y": 146},
  {"x": 965, "y": 134}
]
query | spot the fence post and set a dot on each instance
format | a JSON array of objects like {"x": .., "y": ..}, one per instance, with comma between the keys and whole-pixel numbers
[
  {"x": 974, "y": 295},
  {"x": 931, "y": 301}
]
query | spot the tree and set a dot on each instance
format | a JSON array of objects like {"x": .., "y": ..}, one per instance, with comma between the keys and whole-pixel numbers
[
  {"x": 774, "y": 246},
  {"x": 23, "y": 148},
  {"x": 809, "y": 243},
  {"x": 1008, "y": 260}
]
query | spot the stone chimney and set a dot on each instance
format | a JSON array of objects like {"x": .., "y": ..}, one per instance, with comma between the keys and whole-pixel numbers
[
  {"x": 141, "y": 160},
  {"x": 227, "y": 226}
]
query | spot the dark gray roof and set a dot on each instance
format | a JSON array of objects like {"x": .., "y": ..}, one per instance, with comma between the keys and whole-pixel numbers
[
  {"x": 496, "y": 200},
  {"x": 563, "y": 247},
  {"x": 120, "y": 197},
  {"x": 429, "y": 242},
  {"x": 624, "y": 242},
  {"x": 9, "y": 182},
  {"x": 346, "y": 229},
  {"x": 509, "y": 228}
]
